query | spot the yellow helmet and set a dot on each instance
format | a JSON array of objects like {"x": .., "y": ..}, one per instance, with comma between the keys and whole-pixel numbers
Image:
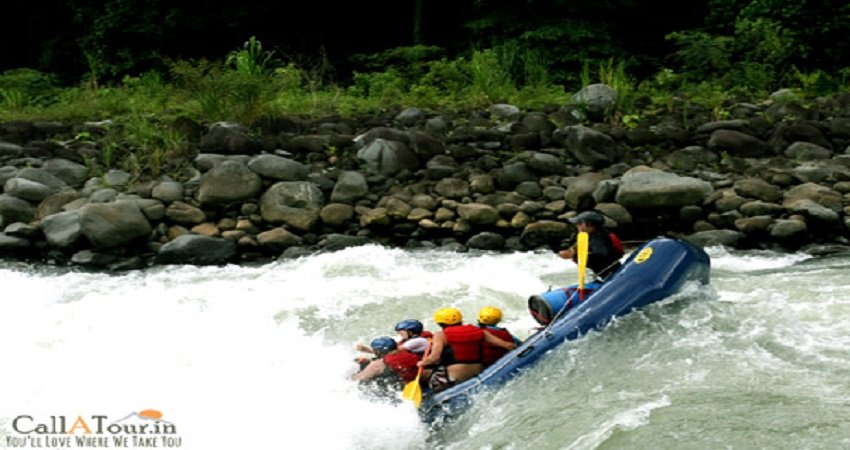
[
  {"x": 448, "y": 316},
  {"x": 489, "y": 315}
]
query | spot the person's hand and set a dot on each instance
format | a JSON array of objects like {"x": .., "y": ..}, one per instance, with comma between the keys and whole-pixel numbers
[
  {"x": 362, "y": 348},
  {"x": 567, "y": 254}
]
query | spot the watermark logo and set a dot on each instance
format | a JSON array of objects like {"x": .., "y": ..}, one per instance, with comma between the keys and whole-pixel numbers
[{"x": 138, "y": 429}]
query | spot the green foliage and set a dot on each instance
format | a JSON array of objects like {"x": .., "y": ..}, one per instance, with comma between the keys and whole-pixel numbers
[
  {"x": 21, "y": 88},
  {"x": 142, "y": 145},
  {"x": 251, "y": 59}
]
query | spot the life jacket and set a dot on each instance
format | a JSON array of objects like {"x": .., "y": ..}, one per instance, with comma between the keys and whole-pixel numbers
[
  {"x": 466, "y": 344},
  {"x": 491, "y": 352},
  {"x": 403, "y": 364},
  {"x": 616, "y": 243}
]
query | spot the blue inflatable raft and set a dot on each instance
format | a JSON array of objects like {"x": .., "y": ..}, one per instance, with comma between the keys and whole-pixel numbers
[{"x": 657, "y": 269}]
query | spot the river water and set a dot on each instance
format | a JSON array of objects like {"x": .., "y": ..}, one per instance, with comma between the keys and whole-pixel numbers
[{"x": 257, "y": 357}]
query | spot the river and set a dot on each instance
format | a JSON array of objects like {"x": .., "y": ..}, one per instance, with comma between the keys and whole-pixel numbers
[{"x": 257, "y": 357}]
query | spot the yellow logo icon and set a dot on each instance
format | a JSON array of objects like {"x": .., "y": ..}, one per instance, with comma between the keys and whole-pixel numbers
[{"x": 643, "y": 255}]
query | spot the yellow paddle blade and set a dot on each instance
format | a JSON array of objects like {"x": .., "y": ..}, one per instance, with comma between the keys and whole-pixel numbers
[
  {"x": 413, "y": 391},
  {"x": 581, "y": 244}
]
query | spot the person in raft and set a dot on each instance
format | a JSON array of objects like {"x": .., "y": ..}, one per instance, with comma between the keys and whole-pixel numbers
[
  {"x": 456, "y": 350},
  {"x": 604, "y": 248},
  {"x": 414, "y": 338},
  {"x": 488, "y": 318},
  {"x": 393, "y": 367}
]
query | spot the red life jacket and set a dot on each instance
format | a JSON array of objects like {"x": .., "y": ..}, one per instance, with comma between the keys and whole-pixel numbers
[
  {"x": 465, "y": 342},
  {"x": 616, "y": 243},
  {"x": 491, "y": 352},
  {"x": 403, "y": 364}
]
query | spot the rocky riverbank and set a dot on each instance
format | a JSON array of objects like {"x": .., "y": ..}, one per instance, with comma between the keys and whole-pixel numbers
[{"x": 770, "y": 175}]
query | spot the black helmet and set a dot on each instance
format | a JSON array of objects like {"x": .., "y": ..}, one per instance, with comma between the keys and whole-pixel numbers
[{"x": 588, "y": 217}]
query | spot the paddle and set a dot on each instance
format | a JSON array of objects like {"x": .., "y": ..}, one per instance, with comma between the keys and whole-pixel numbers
[
  {"x": 581, "y": 245},
  {"x": 413, "y": 390}
]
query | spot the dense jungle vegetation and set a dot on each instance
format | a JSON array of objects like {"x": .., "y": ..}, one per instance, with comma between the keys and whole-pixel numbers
[{"x": 145, "y": 62}]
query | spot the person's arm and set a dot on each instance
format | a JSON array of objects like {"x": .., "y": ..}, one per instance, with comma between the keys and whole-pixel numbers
[
  {"x": 365, "y": 349},
  {"x": 437, "y": 344},
  {"x": 493, "y": 340},
  {"x": 374, "y": 369},
  {"x": 569, "y": 253}
]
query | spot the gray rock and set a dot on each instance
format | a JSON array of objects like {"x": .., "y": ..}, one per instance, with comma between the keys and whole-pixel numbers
[
  {"x": 295, "y": 203},
  {"x": 62, "y": 230},
  {"x": 383, "y": 157},
  {"x": 336, "y": 214},
  {"x": 117, "y": 178},
  {"x": 589, "y": 146},
  {"x": 335, "y": 242},
  {"x": 168, "y": 191},
  {"x": 103, "y": 195},
  {"x": 42, "y": 176},
  {"x": 13, "y": 209},
  {"x": 546, "y": 163},
  {"x": 758, "y": 189},
  {"x": 530, "y": 189},
  {"x": 227, "y": 183},
  {"x": 278, "y": 239},
  {"x": 22, "y": 230},
  {"x": 453, "y": 188},
  {"x": 10, "y": 150},
  {"x": 597, "y": 101},
  {"x": 26, "y": 189},
  {"x": 109, "y": 225},
  {"x": 184, "y": 213},
  {"x": 70, "y": 172},
  {"x": 486, "y": 241},
  {"x": 512, "y": 174},
  {"x": 410, "y": 116},
  {"x": 278, "y": 168},
  {"x": 12, "y": 244},
  {"x": 545, "y": 232},
  {"x": 579, "y": 194},
  {"x": 93, "y": 259},
  {"x": 654, "y": 188},
  {"x": 350, "y": 186},
  {"x": 196, "y": 249},
  {"x": 737, "y": 143},
  {"x": 806, "y": 151},
  {"x": 728, "y": 238},
  {"x": 7, "y": 172},
  {"x": 819, "y": 194},
  {"x": 478, "y": 213},
  {"x": 229, "y": 138},
  {"x": 788, "y": 229}
]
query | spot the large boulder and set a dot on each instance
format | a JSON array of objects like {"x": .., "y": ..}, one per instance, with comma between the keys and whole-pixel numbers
[
  {"x": 13, "y": 209},
  {"x": 738, "y": 144},
  {"x": 108, "y": 225},
  {"x": 384, "y": 157},
  {"x": 278, "y": 168},
  {"x": 596, "y": 101},
  {"x": 196, "y": 249},
  {"x": 589, "y": 146},
  {"x": 545, "y": 233},
  {"x": 651, "y": 188},
  {"x": 350, "y": 186},
  {"x": 294, "y": 203},
  {"x": 228, "y": 182},
  {"x": 62, "y": 230},
  {"x": 230, "y": 139}
]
